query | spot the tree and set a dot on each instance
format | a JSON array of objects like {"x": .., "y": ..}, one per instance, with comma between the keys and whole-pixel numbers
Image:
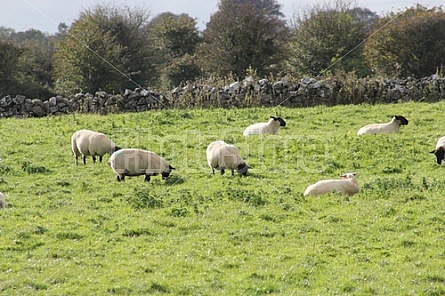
[
  {"x": 244, "y": 34},
  {"x": 27, "y": 60},
  {"x": 105, "y": 48},
  {"x": 9, "y": 72},
  {"x": 329, "y": 32},
  {"x": 411, "y": 43},
  {"x": 175, "y": 39}
]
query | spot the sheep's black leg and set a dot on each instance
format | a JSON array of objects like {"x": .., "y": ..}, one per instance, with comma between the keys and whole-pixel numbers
[
  {"x": 222, "y": 171},
  {"x": 213, "y": 171},
  {"x": 100, "y": 158},
  {"x": 94, "y": 159},
  {"x": 147, "y": 178},
  {"x": 233, "y": 172},
  {"x": 84, "y": 158}
]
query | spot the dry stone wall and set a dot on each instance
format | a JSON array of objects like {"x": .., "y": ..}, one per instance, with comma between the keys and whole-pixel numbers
[{"x": 307, "y": 92}]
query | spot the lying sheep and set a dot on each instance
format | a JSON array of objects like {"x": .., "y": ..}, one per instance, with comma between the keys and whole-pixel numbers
[
  {"x": 440, "y": 150},
  {"x": 222, "y": 156},
  {"x": 3, "y": 203},
  {"x": 136, "y": 162},
  {"x": 347, "y": 185},
  {"x": 384, "y": 128},
  {"x": 87, "y": 142},
  {"x": 270, "y": 127}
]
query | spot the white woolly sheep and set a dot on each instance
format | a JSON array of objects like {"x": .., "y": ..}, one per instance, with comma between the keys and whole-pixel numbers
[
  {"x": 136, "y": 162},
  {"x": 384, "y": 128},
  {"x": 270, "y": 127},
  {"x": 222, "y": 156},
  {"x": 87, "y": 142},
  {"x": 347, "y": 185},
  {"x": 440, "y": 150},
  {"x": 3, "y": 203}
]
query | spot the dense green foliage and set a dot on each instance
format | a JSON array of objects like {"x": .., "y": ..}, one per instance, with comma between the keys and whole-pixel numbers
[
  {"x": 413, "y": 45},
  {"x": 75, "y": 230},
  {"x": 243, "y": 34},
  {"x": 325, "y": 34},
  {"x": 26, "y": 63},
  {"x": 106, "y": 48},
  {"x": 114, "y": 48},
  {"x": 175, "y": 39}
]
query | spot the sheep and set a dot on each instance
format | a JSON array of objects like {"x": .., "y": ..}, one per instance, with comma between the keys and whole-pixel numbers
[
  {"x": 440, "y": 150},
  {"x": 3, "y": 203},
  {"x": 92, "y": 143},
  {"x": 222, "y": 156},
  {"x": 136, "y": 162},
  {"x": 347, "y": 185},
  {"x": 384, "y": 128},
  {"x": 270, "y": 127}
]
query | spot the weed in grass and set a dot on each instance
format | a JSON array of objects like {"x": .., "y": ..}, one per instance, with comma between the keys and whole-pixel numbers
[{"x": 33, "y": 169}]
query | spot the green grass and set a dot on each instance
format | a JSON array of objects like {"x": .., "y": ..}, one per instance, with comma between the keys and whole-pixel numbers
[{"x": 75, "y": 230}]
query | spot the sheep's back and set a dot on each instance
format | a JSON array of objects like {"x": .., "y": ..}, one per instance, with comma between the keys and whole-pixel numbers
[
  {"x": 255, "y": 129},
  {"x": 99, "y": 144},
  {"x": 213, "y": 153},
  {"x": 328, "y": 186},
  {"x": 228, "y": 156},
  {"x": 379, "y": 128},
  {"x": 137, "y": 162}
]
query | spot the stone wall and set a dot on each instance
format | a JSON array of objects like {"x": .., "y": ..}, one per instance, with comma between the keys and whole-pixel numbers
[{"x": 306, "y": 92}]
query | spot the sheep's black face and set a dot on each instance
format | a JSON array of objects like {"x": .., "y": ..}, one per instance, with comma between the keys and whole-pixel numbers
[
  {"x": 401, "y": 119},
  {"x": 167, "y": 173},
  {"x": 280, "y": 120},
  {"x": 242, "y": 169},
  {"x": 439, "y": 155}
]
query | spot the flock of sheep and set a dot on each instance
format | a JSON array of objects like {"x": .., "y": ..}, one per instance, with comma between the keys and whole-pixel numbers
[{"x": 220, "y": 156}]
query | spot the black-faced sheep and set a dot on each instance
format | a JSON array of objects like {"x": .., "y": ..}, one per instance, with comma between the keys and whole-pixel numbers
[
  {"x": 270, "y": 127},
  {"x": 347, "y": 185},
  {"x": 92, "y": 143},
  {"x": 440, "y": 150},
  {"x": 137, "y": 162},
  {"x": 222, "y": 156},
  {"x": 384, "y": 128}
]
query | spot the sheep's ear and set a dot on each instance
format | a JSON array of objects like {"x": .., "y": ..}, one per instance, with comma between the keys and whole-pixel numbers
[
  {"x": 170, "y": 167},
  {"x": 273, "y": 117},
  {"x": 434, "y": 151}
]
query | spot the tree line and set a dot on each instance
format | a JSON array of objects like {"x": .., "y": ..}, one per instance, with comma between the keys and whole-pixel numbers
[{"x": 113, "y": 48}]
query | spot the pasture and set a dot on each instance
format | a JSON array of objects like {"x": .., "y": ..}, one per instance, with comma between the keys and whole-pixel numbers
[{"x": 75, "y": 230}]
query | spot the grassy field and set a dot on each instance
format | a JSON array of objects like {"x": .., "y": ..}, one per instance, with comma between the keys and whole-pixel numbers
[{"x": 75, "y": 230}]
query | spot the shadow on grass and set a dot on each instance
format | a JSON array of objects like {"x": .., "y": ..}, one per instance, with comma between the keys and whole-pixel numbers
[{"x": 174, "y": 180}]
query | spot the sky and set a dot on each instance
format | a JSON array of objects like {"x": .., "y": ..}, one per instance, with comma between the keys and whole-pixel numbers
[{"x": 46, "y": 15}]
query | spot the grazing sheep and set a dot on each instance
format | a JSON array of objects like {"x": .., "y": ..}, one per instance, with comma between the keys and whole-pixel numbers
[
  {"x": 136, "y": 162},
  {"x": 3, "y": 203},
  {"x": 87, "y": 142},
  {"x": 384, "y": 128},
  {"x": 347, "y": 185},
  {"x": 221, "y": 156},
  {"x": 440, "y": 150},
  {"x": 270, "y": 127}
]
